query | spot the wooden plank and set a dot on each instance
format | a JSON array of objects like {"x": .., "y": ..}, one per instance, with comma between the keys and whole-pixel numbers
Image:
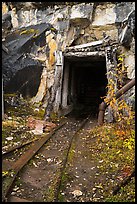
[
  {"x": 94, "y": 43},
  {"x": 84, "y": 54}
]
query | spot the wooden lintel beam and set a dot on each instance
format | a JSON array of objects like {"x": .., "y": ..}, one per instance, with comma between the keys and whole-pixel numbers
[
  {"x": 85, "y": 54},
  {"x": 99, "y": 42}
]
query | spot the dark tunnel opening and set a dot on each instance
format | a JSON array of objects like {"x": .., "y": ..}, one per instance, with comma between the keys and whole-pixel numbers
[{"x": 87, "y": 83}]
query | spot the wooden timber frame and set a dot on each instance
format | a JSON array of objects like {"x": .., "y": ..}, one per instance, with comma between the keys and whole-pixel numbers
[{"x": 102, "y": 48}]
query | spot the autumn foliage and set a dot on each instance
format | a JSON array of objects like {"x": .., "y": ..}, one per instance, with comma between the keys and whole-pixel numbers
[{"x": 123, "y": 113}]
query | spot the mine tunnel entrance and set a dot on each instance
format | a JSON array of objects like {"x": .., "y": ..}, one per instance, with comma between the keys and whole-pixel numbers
[{"x": 84, "y": 83}]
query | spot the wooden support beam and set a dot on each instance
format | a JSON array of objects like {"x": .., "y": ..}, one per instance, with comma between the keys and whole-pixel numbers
[
  {"x": 2, "y": 101},
  {"x": 85, "y": 54},
  {"x": 99, "y": 42}
]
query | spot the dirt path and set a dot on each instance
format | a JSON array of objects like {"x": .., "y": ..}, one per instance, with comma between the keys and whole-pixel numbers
[
  {"x": 40, "y": 181},
  {"x": 85, "y": 173},
  {"x": 81, "y": 173}
]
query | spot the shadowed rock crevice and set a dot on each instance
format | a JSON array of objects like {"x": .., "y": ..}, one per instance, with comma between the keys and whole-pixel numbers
[{"x": 25, "y": 81}]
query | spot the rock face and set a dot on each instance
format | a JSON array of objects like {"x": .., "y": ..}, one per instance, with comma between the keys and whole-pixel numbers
[
  {"x": 40, "y": 34},
  {"x": 25, "y": 71},
  {"x": 128, "y": 31},
  {"x": 81, "y": 15},
  {"x": 107, "y": 12}
]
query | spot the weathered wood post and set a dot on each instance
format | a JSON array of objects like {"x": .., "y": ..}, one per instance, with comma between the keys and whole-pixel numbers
[
  {"x": 58, "y": 77},
  {"x": 111, "y": 65},
  {"x": 55, "y": 99},
  {"x": 2, "y": 102}
]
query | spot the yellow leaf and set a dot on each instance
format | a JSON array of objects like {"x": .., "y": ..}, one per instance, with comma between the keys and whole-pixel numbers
[
  {"x": 4, "y": 173},
  {"x": 130, "y": 147},
  {"x": 120, "y": 59},
  {"x": 53, "y": 29}
]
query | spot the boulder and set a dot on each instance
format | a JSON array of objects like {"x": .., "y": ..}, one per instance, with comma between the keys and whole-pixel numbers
[{"x": 81, "y": 14}]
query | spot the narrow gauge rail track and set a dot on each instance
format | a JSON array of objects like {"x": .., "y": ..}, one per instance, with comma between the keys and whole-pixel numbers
[{"x": 37, "y": 146}]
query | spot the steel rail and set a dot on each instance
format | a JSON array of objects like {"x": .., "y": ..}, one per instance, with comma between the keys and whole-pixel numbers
[
  {"x": 19, "y": 164},
  {"x": 66, "y": 159},
  {"x": 4, "y": 153}
]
